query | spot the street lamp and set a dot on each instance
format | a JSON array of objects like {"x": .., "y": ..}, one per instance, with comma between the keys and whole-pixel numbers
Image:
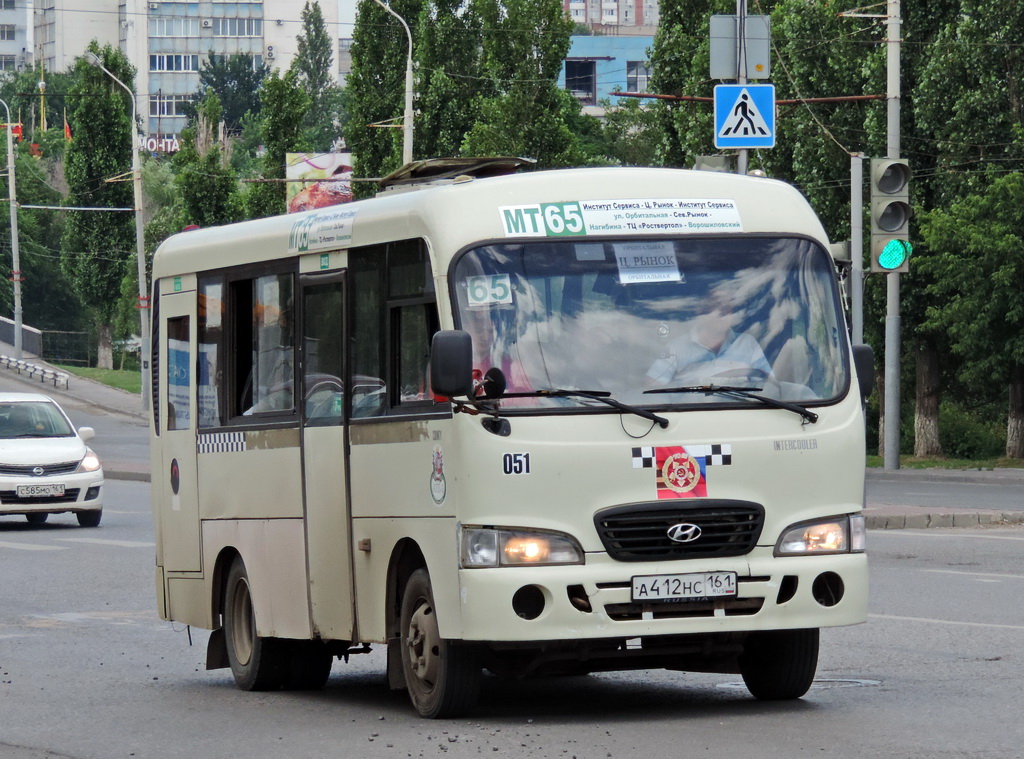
[
  {"x": 140, "y": 247},
  {"x": 407, "y": 116},
  {"x": 15, "y": 257}
]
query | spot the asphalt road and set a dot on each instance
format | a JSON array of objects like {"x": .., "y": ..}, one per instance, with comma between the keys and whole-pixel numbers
[{"x": 88, "y": 671}]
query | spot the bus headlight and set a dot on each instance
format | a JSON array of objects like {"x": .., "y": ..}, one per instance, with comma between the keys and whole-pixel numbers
[
  {"x": 826, "y": 536},
  {"x": 497, "y": 547}
]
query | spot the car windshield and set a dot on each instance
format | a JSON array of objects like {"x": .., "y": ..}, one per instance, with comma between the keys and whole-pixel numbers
[
  {"x": 656, "y": 323},
  {"x": 32, "y": 419}
]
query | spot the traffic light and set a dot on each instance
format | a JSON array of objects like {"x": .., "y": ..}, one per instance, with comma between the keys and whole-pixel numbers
[{"x": 890, "y": 215}]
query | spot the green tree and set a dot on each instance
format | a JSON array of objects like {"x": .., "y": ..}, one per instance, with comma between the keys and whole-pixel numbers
[
  {"x": 312, "y": 65},
  {"x": 284, "y": 106},
  {"x": 207, "y": 183},
  {"x": 97, "y": 249},
  {"x": 524, "y": 45},
  {"x": 236, "y": 79},
  {"x": 376, "y": 86},
  {"x": 448, "y": 82},
  {"x": 977, "y": 264}
]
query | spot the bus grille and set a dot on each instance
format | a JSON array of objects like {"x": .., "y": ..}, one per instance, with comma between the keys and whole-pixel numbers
[{"x": 639, "y": 532}]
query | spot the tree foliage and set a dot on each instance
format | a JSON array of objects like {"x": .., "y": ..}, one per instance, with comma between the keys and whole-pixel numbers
[
  {"x": 205, "y": 180},
  {"x": 312, "y": 65},
  {"x": 236, "y": 80},
  {"x": 98, "y": 248}
]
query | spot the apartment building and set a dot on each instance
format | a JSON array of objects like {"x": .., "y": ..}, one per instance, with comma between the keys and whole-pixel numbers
[
  {"x": 167, "y": 41},
  {"x": 615, "y": 17},
  {"x": 16, "y": 34}
]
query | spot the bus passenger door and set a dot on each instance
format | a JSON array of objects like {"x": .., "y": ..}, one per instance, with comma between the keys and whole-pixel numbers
[
  {"x": 178, "y": 517},
  {"x": 328, "y": 531}
]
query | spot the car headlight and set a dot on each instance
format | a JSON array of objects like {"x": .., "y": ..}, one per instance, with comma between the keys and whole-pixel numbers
[
  {"x": 91, "y": 462},
  {"x": 825, "y": 536},
  {"x": 496, "y": 547}
]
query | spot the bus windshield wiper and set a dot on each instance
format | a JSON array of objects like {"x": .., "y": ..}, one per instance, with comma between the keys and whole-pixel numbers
[
  {"x": 595, "y": 395},
  {"x": 736, "y": 391}
]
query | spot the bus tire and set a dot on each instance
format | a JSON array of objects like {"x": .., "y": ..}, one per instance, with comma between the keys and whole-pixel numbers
[
  {"x": 779, "y": 665},
  {"x": 257, "y": 663},
  {"x": 442, "y": 676}
]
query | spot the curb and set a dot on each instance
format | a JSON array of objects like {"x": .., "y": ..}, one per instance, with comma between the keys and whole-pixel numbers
[{"x": 927, "y": 520}]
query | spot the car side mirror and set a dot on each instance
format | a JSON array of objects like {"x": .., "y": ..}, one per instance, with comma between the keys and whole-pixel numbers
[
  {"x": 451, "y": 363},
  {"x": 86, "y": 433},
  {"x": 864, "y": 363}
]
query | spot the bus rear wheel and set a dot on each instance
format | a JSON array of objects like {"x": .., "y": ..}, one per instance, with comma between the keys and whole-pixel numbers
[
  {"x": 257, "y": 663},
  {"x": 779, "y": 665},
  {"x": 442, "y": 676}
]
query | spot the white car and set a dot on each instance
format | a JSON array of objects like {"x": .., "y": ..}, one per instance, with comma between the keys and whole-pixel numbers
[{"x": 45, "y": 465}]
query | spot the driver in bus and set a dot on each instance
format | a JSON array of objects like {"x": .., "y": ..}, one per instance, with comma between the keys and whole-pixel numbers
[{"x": 712, "y": 349}]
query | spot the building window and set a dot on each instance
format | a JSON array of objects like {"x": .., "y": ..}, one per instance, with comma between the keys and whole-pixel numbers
[
  {"x": 237, "y": 27},
  {"x": 7, "y": 5},
  {"x": 581, "y": 80},
  {"x": 6, "y": 31},
  {"x": 8, "y": 63},
  {"x": 638, "y": 74},
  {"x": 168, "y": 105},
  {"x": 174, "y": 63},
  {"x": 173, "y": 26}
]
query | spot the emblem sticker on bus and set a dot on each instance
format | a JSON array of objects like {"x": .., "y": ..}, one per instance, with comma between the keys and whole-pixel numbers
[
  {"x": 681, "y": 471},
  {"x": 438, "y": 484}
]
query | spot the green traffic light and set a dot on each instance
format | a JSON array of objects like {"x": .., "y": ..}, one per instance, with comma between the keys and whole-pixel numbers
[{"x": 895, "y": 254}]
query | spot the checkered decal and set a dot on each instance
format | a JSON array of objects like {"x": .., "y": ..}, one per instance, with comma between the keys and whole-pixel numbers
[
  {"x": 719, "y": 454},
  {"x": 221, "y": 442}
]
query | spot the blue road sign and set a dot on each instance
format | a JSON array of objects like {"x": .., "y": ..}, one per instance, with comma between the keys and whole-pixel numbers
[{"x": 745, "y": 116}]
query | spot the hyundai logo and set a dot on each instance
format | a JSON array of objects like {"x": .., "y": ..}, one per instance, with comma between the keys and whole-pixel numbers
[
  {"x": 38, "y": 471},
  {"x": 683, "y": 533}
]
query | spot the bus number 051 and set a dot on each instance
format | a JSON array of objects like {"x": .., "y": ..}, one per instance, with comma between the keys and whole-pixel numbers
[{"x": 516, "y": 463}]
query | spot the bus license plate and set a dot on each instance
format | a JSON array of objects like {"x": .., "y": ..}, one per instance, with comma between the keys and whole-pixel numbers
[
  {"x": 683, "y": 587},
  {"x": 34, "y": 491}
]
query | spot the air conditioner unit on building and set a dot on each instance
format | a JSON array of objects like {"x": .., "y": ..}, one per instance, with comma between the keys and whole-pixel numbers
[
  {"x": 207, "y": 23},
  {"x": 154, "y": 6}
]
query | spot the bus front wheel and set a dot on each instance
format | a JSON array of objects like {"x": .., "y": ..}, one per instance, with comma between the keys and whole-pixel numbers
[
  {"x": 779, "y": 665},
  {"x": 257, "y": 663},
  {"x": 442, "y": 676}
]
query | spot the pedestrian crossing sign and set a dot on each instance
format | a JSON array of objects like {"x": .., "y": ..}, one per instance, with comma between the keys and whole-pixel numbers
[{"x": 745, "y": 116}]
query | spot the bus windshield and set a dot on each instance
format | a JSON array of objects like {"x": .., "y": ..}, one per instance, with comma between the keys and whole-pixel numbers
[{"x": 657, "y": 323}]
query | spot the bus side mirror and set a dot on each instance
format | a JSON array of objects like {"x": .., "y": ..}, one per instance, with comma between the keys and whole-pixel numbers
[
  {"x": 451, "y": 363},
  {"x": 864, "y": 363}
]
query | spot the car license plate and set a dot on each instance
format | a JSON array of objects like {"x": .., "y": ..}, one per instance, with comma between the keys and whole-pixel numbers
[
  {"x": 697, "y": 585},
  {"x": 35, "y": 491}
]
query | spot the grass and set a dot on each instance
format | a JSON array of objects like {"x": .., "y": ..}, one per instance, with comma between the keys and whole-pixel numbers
[{"x": 122, "y": 380}]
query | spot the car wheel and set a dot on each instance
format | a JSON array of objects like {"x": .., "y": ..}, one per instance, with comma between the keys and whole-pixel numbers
[
  {"x": 779, "y": 665},
  {"x": 257, "y": 663},
  {"x": 442, "y": 676},
  {"x": 36, "y": 518},
  {"x": 89, "y": 518}
]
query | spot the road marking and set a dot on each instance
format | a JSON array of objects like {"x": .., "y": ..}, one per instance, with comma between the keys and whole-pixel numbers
[
  {"x": 102, "y": 542},
  {"x": 945, "y": 622},
  {"x": 31, "y": 547},
  {"x": 974, "y": 574}
]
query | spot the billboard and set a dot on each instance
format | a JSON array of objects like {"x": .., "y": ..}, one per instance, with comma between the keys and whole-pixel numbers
[{"x": 327, "y": 180}]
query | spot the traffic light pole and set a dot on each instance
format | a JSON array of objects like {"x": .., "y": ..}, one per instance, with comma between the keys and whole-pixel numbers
[{"x": 891, "y": 401}]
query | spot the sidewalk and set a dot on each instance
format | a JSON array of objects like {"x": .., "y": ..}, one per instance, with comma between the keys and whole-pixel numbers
[{"x": 878, "y": 516}]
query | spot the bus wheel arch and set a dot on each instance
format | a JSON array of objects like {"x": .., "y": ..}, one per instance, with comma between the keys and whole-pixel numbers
[{"x": 257, "y": 663}]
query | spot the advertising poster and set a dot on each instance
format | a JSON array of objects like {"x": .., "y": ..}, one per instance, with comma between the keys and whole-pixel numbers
[{"x": 330, "y": 177}]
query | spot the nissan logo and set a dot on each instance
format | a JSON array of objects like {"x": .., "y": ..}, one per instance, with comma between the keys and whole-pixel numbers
[
  {"x": 683, "y": 533},
  {"x": 38, "y": 471}
]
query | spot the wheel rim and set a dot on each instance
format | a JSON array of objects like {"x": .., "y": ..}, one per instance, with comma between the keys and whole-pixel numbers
[
  {"x": 240, "y": 611},
  {"x": 424, "y": 645}
]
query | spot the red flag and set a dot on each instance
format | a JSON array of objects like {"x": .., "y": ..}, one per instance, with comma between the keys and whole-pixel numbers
[
  {"x": 67, "y": 130},
  {"x": 16, "y": 131}
]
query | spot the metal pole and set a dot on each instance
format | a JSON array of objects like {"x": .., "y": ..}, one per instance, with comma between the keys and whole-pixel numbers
[
  {"x": 891, "y": 437},
  {"x": 857, "y": 247},
  {"x": 15, "y": 255},
  {"x": 741, "y": 69},
  {"x": 407, "y": 115},
  {"x": 140, "y": 244}
]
